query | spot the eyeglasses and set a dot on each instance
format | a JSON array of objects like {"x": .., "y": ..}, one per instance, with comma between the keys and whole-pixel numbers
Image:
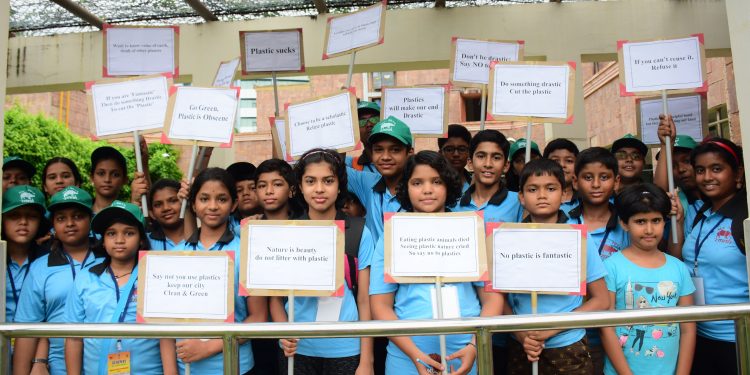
[
  {"x": 622, "y": 155},
  {"x": 372, "y": 120},
  {"x": 460, "y": 149}
]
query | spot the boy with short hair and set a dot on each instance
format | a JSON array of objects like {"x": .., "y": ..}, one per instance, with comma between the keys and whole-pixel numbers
[
  {"x": 17, "y": 171},
  {"x": 455, "y": 148},
  {"x": 630, "y": 153},
  {"x": 369, "y": 115},
  {"x": 541, "y": 194},
  {"x": 595, "y": 180},
  {"x": 274, "y": 181},
  {"x": 243, "y": 174},
  {"x": 517, "y": 157},
  {"x": 564, "y": 152}
]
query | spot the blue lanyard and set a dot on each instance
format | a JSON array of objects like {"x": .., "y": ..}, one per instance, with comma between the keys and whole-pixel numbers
[
  {"x": 118, "y": 316},
  {"x": 604, "y": 240},
  {"x": 699, "y": 243},
  {"x": 130, "y": 284},
  {"x": 13, "y": 282},
  {"x": 72, "y": 266}
]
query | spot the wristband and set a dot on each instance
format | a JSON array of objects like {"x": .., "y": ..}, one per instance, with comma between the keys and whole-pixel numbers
[{"x": 43, "y": 361}]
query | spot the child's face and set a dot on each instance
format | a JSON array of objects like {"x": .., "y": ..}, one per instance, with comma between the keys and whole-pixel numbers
[
  {"x": 645, "y": 230},
  {"x": 13, "y": 177},
  {"x": 72, "y": 225},
  {"x": 21, "y": 225},
  {"x": 489, "y": 163},
  {"x": 320, "y": 187},
  {"x": 567, "y": 161},
  {"x": 352, "y": 208},
  {"x": 165, "y": 206},
  {"x": 213, "y": 204},
  {"x": 427, "y": 191},
  {"x": 630, "y": 163},
  {"x": 58, "y": 177},
  {"x": 519, "y": 160},
  {"x": 541, "y": 195},
  {"x": 683, "y": 171},
  {"x": 273, "y": 192},
  {"x": 247, "y": 197},
  {"x": 456, "y": 151},
  {"x": 715, "y": 176},
  {"x": 389, "y": 157},
  {"x": 121, "y": 241},
  {"x": 595, "y": 183},
  {"x": 108, "y": 179}
]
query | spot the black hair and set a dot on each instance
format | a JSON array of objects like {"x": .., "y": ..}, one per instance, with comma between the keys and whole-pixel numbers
[
  {"x": 108, "y": 153},
  {"x": 279, "y": 166},
  {"x": 319, "y": 155},
  {"x": 560, "y": 144},
  {"x": 541, "y": 167},
  {"x": 351, "y": 197},
  {"x": 596, "y": 155},
  {"x": 164, "y": 183},
  {"x": 73, "y": 168},
  {"x": 721, "y": 147},
  {"x": 242, "y": 171},
  {"x": 640, "y": 199},
  {"x": 436, "y": 161},
  {"x": 489, "y": 135},
  {"x": 213, "y": 174},
  {"x": 455, "y": 131}
]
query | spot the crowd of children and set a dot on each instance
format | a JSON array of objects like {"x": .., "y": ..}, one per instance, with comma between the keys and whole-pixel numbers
[{"x": 72, "y": 257}]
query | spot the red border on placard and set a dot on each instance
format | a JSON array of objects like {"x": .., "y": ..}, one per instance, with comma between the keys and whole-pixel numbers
[
  {"x": 387, "y": 216},
  {"x": 521, "y": 42},
  {"x": 624, "y": 90},
  {"x": 701, "y": 38},
  {"x": 572, "y": 64},
  {"x": 88, "y": 84},
  {"x": 620, "y": 43},
  {"x": 569, "y": 120},
  {"x": 164, "y": 139}
]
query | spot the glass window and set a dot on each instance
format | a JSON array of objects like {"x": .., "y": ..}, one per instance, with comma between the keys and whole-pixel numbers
[{"x": 247, "y": 125}]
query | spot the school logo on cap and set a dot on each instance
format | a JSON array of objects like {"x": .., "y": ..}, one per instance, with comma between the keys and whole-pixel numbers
[
  {"x": 387, "y": 127},
  {"x": 70, "y": 194},
  {"x": 27, "y": 197}
]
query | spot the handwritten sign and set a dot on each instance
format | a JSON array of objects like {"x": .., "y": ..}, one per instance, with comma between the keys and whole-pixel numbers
[
  {"x": 225, "y": 74},
  {"x": 471, "y": 58},
  {"x": 520, "y": 253},
  {"x": 135, "y": 50},
  {"x": 280, "y": 255},
  {"x": 419, "y": 247},
  {"x": 329, "y": 122},
  {"x": 272, "y": 51},
  {"x": 118, "y": 107},
  {"x": 687, "y": 110},
  {"x": 203, "y": 114},
  {"x": 424, "y": 109},
  {"x": 542, "y": 92},
  {"x": 652, "y": 66},
  {"x": 186, "y": 286},
  {"x": 355, "y": 31}
]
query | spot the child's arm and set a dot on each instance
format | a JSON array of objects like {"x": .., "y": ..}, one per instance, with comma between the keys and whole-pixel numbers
[
  {"x": 675, "y": 249},
  {"x": 257, "y": 311},
  {"x": 687, "y": 340},
  {"x": 666, "y": 128},
  {"x": 23, "y": 354},
  {"x": 42, "y": 351},
  {"x": 278, "y": 314},
  {"x": 492, "y": 305},
  {"x": 612, "y": 346},
  {"x": 73, "y": 355},
  {"x": 138, "y": 187},
  {"x": 168, "y": 350},
  {"x": 193, "y": 350},
  {"x": 366, "y": 357},
  {"x": 382, "y": 309}
]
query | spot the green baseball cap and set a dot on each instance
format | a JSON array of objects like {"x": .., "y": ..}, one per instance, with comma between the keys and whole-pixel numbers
[
  {"x": 71, "y": 195},
  {"x": 363, "y": 106},
  {"x": 23, "y": 195},
  {"x": 519, "y": 145},
  {"x": 629, "y": 140},
  {"x": 17, "y": 162},
  {"x": 117, "y": 210},
  {"x": 393, "y": 127},
  {"x": 683, "y": 142}
]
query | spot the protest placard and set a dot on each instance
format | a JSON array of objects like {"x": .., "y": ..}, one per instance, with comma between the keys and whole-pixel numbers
[
  {"x": 272, "y": 51},
  {"x": 278, "y": 135},
  {"x": 687, "y": 110},
  {"x": 471, "y": 58},
  {"x": 225, "y": 73},
  {"x": 423, "y": 109},
  {"x": 327, "y": 122},
  {"x": 140, "y": 50},
  {"x": 355, "y": 31},
  {"x": 205, "y": 115}
]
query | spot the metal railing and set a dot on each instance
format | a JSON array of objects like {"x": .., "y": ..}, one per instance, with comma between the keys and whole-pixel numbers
[{"x": 481, "y": 327}]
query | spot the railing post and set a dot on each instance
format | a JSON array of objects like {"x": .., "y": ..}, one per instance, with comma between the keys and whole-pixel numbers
[
  {"x": 742, "y": 332},
  {"x": 231, "y": 355},
  {"x": 4, "y": 355},
  {"x": 484, "y": 351}
]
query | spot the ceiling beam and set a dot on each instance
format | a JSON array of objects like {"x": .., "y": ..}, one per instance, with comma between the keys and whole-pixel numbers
[
  {"x": 202, "y": 11},
  {"x": 80, "y": 12},
  {"x": 321, "y": 6},
  {"x": 439, "y": 3}
]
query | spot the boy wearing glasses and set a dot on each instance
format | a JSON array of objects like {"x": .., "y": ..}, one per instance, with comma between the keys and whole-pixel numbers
[
  {"x": 630, "y": 153},
  {"x": 455, "y": 149},
  {"x": 369, "y": 115}
]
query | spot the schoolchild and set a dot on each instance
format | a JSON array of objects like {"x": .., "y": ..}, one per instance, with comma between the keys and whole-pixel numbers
[
  {"x": 369, "y": 115},
  {"x": 51, "y": 277},
  {"x": 16, "y": 171},
  {"x": 167, "y": 229},
  {"x": 321, "y": 178},
  {"x": 557, "y": 351},
  {"x": 353, "y": 207},
  {"x": 630, "y": 153},
  {"x": 517, "y": 157},
  {"x": 564, "y": 152},
  {"x": 108, "y": 175},
  {"x": 59, "y": 173},
  {"x": 428, "y": 185},
  {"x": 108, "y": 293},
  {"x": 455, "y": 148},
  {"x": 213, "y": 197},
  {"x": 274, "y": 181},
  {"x": 642, "y": 277},
  {"x": 243, "y": 174},
  {"x": 714, "y": 251}
]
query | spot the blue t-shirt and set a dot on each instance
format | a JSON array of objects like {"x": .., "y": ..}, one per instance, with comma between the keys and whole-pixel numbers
[
  {"x": 306, "y": 309},
  {"x": 722, "y": 266},
  {"x": 93, "y": 299},
  {"x": 371, "y": 190},
  {"x": 648, "y": 348},
  {"x": 367, "y": 166},
  {"x": 414, "y": 301},
  {"x": 13, "y": 285},
  {"x": 159, "y": 241},
  {"x": 45, "y": 293},
  {"x": 215, "y": 363},
  {"x": 551, "y": 303}
]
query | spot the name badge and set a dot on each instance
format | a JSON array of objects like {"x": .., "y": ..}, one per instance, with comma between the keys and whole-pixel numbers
[{"x": 118, "y": 363}]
